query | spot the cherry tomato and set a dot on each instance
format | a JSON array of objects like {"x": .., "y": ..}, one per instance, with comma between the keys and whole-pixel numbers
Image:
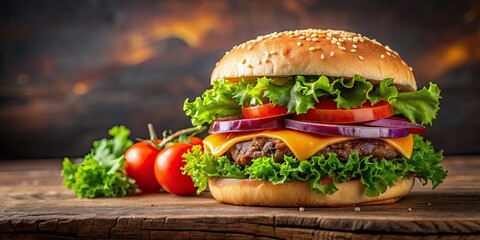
[
  {"x": 196, "y": 141},
  {"x": 264, "y": 111},
  {"x": 140, "y": 159},
  {"x": 167, "y": 169},
  {"x": 327, "y": 112}
]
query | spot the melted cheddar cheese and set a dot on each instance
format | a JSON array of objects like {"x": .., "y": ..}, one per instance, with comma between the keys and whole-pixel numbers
[{"x": 303, "y": 145}]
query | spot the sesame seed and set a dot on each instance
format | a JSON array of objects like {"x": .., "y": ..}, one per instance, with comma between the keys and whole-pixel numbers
[
  {"x": 314, "y": 35},
  {"x": 322, "y": 56},
  {"x": 273, "y": 52},
  {"x": 360, "y": 57},
  {"x": 328, "y": 38},
  {"x": 382, "y": 56},
  {"x": 354, "y": 45},
  {"x": 308, "y": 39},
  {"x": 311, "y": 49},
  {"x": 341, "y": 40},
  {"x": 332, "y": 53},
  {"x": 301, "y": 37},
  {"x": 244, "y": 61},
  {"x": 388, "y": 53},
  {"x": 227, "y": 52},
  {"x": 411, "y": 69},
  {"x": 404, "y": 64},
  {"x": 299, "y": 44},
  {"x": 249, "y": 47},
  {"x": 353, "y": 50},
  {"x": 315, "y": 39},
  {"x": 342, "y": 48},
  {"x": 339, "y": 43}
]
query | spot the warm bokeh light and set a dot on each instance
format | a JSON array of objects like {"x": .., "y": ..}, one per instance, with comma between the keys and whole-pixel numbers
[
  {"x": 449, "y": 56},
  {"x": 80, "y": 88}
]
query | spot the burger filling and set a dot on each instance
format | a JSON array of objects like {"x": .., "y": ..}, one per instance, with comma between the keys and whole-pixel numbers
[{"x": 244, "y": 152}]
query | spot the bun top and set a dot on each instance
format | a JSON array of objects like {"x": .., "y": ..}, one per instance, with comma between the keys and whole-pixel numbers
[{"x": 315, "y": 52}]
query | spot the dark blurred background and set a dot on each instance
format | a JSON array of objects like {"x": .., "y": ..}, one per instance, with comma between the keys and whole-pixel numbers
[{"x": 70, "y": 70}]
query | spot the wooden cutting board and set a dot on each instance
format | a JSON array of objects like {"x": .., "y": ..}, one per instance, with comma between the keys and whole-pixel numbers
[{"x": 34, "y": 203}]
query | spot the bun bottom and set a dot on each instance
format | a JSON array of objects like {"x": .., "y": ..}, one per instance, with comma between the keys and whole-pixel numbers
[{"x": 299, "y": 194}]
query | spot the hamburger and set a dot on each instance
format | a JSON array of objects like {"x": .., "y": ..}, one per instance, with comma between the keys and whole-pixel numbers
[{"x": 313, "y": 118}]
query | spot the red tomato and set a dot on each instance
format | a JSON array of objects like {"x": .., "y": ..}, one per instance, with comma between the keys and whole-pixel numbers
[
  {"x": 140, "y": 159},
  {"x": 196, "y": 141},
  {"x": 167, "y": 169},
  {"x": 327, "y": 112},
  {"x": 263, "y": 111}
]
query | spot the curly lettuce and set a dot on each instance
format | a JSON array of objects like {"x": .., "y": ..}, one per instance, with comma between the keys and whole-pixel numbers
[
  {"x": 375, "y": 175},
  {"x": 214, "y": 103},
  {"x": 102, "y": 172},
  {"x": 226, "y": 98}
]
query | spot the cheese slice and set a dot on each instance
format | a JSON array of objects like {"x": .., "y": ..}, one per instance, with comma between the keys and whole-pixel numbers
[
  {"x": 403, "y": 145},
  {"x": 303, "y": 145}
]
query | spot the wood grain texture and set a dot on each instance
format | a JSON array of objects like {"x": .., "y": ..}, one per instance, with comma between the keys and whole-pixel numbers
[{"x": 34, "y": 204}]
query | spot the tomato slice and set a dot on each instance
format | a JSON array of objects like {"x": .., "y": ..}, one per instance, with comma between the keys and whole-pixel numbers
[
  {"x": 327, "y": 112},
  {"x": 264, "y": 111}
]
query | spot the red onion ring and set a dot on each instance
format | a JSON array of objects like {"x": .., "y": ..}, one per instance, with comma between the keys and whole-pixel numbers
[
  {"x": 388, "y": 122},
  {"x": 220, "y": 126},
  {"x": 347, "y": 130}
]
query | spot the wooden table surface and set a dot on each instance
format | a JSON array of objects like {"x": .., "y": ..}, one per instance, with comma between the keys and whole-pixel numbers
[{"x": 35, "y": 204}]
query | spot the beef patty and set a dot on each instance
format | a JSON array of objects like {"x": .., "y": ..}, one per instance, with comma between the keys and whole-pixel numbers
[{"x": 244, "y": 152}]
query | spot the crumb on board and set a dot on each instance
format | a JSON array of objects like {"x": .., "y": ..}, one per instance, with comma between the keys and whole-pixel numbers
[
  {"x": 409, "y": 209},
  {"x": 357, "y": 209},
  {"x": 301, "y": 209}
]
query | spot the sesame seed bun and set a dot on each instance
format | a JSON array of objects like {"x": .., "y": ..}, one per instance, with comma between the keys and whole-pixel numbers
[
  {"x": 315, "y": 52},
  {"x": 289, "y": 194}
]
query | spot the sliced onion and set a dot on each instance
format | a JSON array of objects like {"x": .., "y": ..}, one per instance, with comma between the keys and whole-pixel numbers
[
  {"x": 347, "y": 130},
  {"x": 389, "y": 122},
  {"x": 234, "y": 117},
  {"x": 240, "y": 125}
]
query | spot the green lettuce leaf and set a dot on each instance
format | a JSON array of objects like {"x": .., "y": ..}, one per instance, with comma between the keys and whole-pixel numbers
[
  {"x": 421, "y": 105},
  {"x": 102, "y": 172},
  {"x": 215, "y": 103},
  {"x": 426, "y": 161},
  {"x": 376, "y": 175},
  {"x": 251, "y": 94},
  {"x": 201, "y": 166},
  {"x": 226, "y": 99}
]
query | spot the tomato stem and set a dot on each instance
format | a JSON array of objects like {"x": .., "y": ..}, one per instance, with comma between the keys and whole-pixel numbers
[
  {"x": 196, "y": 130},
  {"x": 151, "y": 132}
]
